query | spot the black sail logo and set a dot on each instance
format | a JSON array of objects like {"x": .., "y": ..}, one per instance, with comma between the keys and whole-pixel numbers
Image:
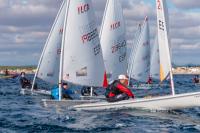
[{"x": 82, "y": 72}]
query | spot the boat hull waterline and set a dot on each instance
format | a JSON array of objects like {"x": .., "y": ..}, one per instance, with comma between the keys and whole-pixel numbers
[
  {"x": 179, "y": 101},
  {"x": 35, "y": 92}
]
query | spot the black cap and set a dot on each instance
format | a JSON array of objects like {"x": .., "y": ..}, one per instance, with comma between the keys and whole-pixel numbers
[
  {"x": 23, "y": 73},
  {"x": 65, "y": 84}
]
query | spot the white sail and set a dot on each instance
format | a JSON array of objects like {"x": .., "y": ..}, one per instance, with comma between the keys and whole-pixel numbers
[
  {"x": 82, "y": 59},
  {"x": 48, "y": 68},
  {"x": 113, "y": 42},
  {"x": 133, "y": 49},
  {"x": 141, "y": 61},
  {"x": 163, "y": 41},
  {"x": 155, "y": 60}
]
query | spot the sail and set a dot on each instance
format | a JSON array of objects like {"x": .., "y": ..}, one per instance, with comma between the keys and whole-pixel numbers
[
  {"x": 155, "y": 60},
  {"x": 82, "y": 59},
  {"x": 113, "y": 41},
  {"x": 133, "y": 49},
  {"x": 48, "y": 68},
  {"x": 141, "y": 61},
  {"x": 163, "y": 39}
]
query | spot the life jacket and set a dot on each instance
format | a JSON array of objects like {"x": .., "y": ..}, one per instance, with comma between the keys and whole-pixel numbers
[
  {"x": 196, "y": 80},
  {"x": 112, "y": 89}
]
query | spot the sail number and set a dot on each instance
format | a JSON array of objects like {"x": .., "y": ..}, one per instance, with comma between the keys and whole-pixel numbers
[
  {"x": 159, "y": 4},
  {"x": 97, "y": 49},
  {"x": 122, "y": 57},
  {"x": 90, "y": 36},
  {"x": 58, "y": 51},
  {"x": 115, "y": 25},
  {"x": 118, "y": 46},
  {"x": 61, "y": 31},
  {"x": 83, "y": 8},
  {"x": 161, "y": 25}
]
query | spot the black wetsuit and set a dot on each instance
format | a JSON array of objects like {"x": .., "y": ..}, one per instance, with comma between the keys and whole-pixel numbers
[
  {"x": 117, "y": 92},
  {"x": 196, "y": 80},
  {"x": 25, "y": 83}
]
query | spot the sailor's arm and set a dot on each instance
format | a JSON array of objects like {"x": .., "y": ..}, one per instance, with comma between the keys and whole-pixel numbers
[{"x": 125, "y": 90}]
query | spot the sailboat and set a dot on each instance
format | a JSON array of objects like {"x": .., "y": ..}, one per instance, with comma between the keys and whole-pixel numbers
[
  {"x": 139, "y": 66},
  {"x": 169, "y": 102},
  {"x": 113, "y": 41},
  {"x": 81, "y": 60},
  {"x": 48, "y": 66}
]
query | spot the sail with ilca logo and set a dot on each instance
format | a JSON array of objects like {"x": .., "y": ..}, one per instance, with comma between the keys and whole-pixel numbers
[{"x": 113, "y": 40}]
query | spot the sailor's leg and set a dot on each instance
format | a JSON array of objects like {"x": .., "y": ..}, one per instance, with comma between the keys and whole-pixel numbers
[{"x": 117, "y": 98}]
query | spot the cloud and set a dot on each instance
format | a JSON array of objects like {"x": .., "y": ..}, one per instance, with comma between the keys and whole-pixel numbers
[
  {"x": 25, "y": 25},
  {"x": 187, "y": 4}
]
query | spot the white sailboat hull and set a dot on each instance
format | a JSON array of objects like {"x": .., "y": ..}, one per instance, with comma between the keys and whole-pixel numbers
[
  {"x": 147, "y": 86},
  {"x": 34, "y": 92},
  {"x": 179, "y": 101},
  {"x": 65, "y": 103}
]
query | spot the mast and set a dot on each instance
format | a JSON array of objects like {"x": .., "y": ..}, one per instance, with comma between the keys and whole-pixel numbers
[
  {"x": 43, "y": 51},
  {"x": 172, "y": 82},
  {"x": 169, "y": 49},
  {"x": 62, "y": 52}
]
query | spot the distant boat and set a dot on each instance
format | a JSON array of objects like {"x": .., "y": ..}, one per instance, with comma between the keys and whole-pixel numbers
[
  {"x": 2, "y": 76},
  {"x": 49, "y": 63},
  {"x": 142, "y": 70},
  {"x": 113, "y": 40},
  {"x": 65, "y": 58},
  {"x": 8, "y": 75},
  {"x": 169, "y": 102},
  {"x": 139, "y": 66}
]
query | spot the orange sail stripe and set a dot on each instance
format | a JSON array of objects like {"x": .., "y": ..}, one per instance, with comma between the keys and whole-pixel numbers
[{"x": 162, "y": 76}]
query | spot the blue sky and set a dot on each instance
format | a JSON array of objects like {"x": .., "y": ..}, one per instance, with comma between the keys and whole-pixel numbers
[{"x": 25, "y": 24}]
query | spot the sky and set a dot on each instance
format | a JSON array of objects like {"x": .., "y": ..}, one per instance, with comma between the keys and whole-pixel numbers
[{"x": 25, "y": 25}]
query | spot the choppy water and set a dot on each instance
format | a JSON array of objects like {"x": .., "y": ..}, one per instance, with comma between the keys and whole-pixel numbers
[{"x": 20, "y": 113}]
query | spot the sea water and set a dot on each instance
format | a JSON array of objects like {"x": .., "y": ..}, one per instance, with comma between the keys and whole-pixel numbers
[{"x": 22, "y": 113}]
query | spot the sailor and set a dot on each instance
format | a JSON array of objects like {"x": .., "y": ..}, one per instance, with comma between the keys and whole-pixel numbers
[
  {"x": 149, "y": 81},
  {"x": 25, "y": 83},
  {"x": 66, "y": 92},
  {"x": 118, "y": 90},
  {"x": 6, "y": 72},
  {"x": 196, "y": 79}
]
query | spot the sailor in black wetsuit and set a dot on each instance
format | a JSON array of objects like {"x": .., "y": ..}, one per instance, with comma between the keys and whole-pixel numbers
[
  {"x": 25, "y": 83},
  {"x": 6, "y": 72},
  {"x": 196, "y": 79},
  {"x": 118, "y": 90}
]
